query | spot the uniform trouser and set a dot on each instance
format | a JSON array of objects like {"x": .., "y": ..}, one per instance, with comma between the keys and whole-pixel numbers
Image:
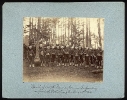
[
  {"x": 76, "y": 59},
  {"x": 81, "y": 59},
  {"x": 60, "y": 58},
  {"x": 42, "y": 59},
  {"x": 47, "y": 58},
  {"x": 25, "y": 55},
  {"x": 53, "y": 58},
  {"x": 66, "y": 59},
  {"x": 99, "y": 63},
  {"x": 87, "y": 61},
  {"x": 31, "y": 60},
  {"x": 71, "y": 58}
]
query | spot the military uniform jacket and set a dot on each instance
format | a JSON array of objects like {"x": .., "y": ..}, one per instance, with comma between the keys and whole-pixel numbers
[
  {"x": 81, "y": 52},
  {"x": 48, "y": 53},
  {"x": 30, "y": 53},
  {"x": 66, "y": 51},
  {"x": 71, "y": 52},
  {"x": 87, "y": 57},
  {"x": 76, "y": 53},
  {"x": 99, "y": 57},
  {"x": 53, "y": 52}
]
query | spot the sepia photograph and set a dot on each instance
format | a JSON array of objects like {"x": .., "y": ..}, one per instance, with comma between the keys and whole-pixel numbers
[{"x": 63, "y": 49}]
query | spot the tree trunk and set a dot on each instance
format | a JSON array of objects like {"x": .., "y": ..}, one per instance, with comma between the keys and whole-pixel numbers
[
  {"x": 68, "y": 31},
  {"x": 71, "y": 30},
  {"x": 89, "y": 35},
  {"x": 29, "y": 30},
  {"x": 86, "y": 33},
  {"x": 65, "y": 29},
  {"x": 99, "y": 33},
  {"x": 37, "y": 58},
  {"x": 83, "y": 34}
]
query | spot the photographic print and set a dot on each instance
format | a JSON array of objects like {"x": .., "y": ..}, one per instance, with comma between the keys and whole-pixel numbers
[{"x": 63, "y": 49}]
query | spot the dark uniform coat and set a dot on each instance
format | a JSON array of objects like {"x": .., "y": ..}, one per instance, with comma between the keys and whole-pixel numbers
[
  {"x": 76, "y": 53},
  {"x": 31, "y": 55}
]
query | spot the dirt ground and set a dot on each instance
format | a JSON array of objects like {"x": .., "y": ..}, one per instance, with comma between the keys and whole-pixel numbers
[{"x": 60, "y": 74}]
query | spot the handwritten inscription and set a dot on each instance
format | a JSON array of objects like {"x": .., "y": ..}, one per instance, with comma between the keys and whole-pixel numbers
[{"x": 62, "y": 89}]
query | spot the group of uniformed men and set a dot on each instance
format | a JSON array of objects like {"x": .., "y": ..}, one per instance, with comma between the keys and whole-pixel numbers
[{"x": 65, "y": 56}]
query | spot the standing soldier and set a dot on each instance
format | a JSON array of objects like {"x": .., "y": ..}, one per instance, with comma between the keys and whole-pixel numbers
[
  {"x": 47, "y": 56},
  {"x": 71, "y": 55},
  {"x": 90, "y": 53},
  {"x": 53, "y": 55},
  {"x": 41, "y": 52},
  {"x": 25, "y": 50},
  {"x": 57, "y": 54},
  {"x": 81, "y": 55},
  {"x": 102, "y": 58},
  {"x": 61, "y": 55},
  {"x": 66, "y": 56},
  {"x": 99, "y": 59},
  {"x": 62, "y": 52},
  {"x": 76, "y": 58},
  {"x": 31, "y": 56},
  {"x": 92, "y": 58},
  {"x": 87, "y": 59},
  {"x": 34, "y": 48},
  {"x": 95, "y": 58},
  {"x": 44, "y": 50},
  {"x": 84, "y": 54}
]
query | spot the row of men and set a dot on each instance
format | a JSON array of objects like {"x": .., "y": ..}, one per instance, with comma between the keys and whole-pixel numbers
[{"x": 62, "y": 55}]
